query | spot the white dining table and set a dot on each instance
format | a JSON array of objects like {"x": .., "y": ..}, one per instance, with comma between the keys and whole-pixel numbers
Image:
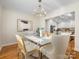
[{"x": 40, "y": 41}]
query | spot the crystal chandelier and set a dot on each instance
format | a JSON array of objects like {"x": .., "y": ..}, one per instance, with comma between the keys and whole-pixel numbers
[{"x": 40, "y": 11}]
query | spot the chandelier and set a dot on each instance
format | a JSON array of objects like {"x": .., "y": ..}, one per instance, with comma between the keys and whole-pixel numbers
[{"x": 40, "y": 11}]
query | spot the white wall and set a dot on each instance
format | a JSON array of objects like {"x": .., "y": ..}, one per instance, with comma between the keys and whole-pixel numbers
[
  {"x": 73, "y": 7},
  {"x": 9, "y": 24},
  {"x": 0, "y": 25}
]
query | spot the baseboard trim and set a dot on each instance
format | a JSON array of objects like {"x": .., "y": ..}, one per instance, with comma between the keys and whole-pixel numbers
[
  {"x": 9, "y": 44},
  {"x": 0, "y": 48}
]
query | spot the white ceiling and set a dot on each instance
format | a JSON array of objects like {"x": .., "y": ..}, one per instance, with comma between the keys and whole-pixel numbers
[{"x": 27, "y": 6}]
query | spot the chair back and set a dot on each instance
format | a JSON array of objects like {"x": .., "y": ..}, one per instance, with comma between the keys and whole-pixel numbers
[
  {"x": 21, "y": 44},
  {"x": 60, "y": 43}
]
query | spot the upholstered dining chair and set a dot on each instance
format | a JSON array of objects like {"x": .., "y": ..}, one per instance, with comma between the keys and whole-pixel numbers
[
  {"x": 57, "y": 48},
  {"x": 23, "y": 53}
]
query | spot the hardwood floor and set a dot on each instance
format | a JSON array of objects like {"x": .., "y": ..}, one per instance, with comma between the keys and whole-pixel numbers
[{"x": 10, "y": 52}]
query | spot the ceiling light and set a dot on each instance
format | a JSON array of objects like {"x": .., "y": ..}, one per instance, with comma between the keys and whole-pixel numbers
[{"x": 40, "y": 11}]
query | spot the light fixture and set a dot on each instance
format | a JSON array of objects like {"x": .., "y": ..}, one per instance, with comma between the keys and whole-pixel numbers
[{"x": 40, "y": 11}]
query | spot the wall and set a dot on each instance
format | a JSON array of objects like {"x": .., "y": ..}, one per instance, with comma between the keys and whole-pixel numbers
[
  {"x": 9, "y": 24},
  {"x": 0, "y": 26},
  {"x": 73, "y": 7}
]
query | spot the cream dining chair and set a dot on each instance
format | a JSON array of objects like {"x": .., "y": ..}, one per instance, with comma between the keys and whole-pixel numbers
[
  {"x": 57, "y": 48},
  {"x": 23, "y": 53}
]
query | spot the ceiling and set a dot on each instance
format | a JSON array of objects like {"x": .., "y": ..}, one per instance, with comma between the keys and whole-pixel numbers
[{"x": 27, "y": 6}]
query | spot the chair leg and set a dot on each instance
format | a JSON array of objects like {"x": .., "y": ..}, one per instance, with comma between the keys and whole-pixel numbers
[
  {"x": 18, "y": 54},
  {"x": 40, "y": 55},
  {"x": 21, "y": 55}
]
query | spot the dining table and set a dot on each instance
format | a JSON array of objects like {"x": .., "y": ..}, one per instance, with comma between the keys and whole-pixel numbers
[{"x": 39, "y": 41}]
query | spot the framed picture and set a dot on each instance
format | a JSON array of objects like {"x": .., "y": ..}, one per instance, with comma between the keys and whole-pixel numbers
[{"x": 24, "y": 25}]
